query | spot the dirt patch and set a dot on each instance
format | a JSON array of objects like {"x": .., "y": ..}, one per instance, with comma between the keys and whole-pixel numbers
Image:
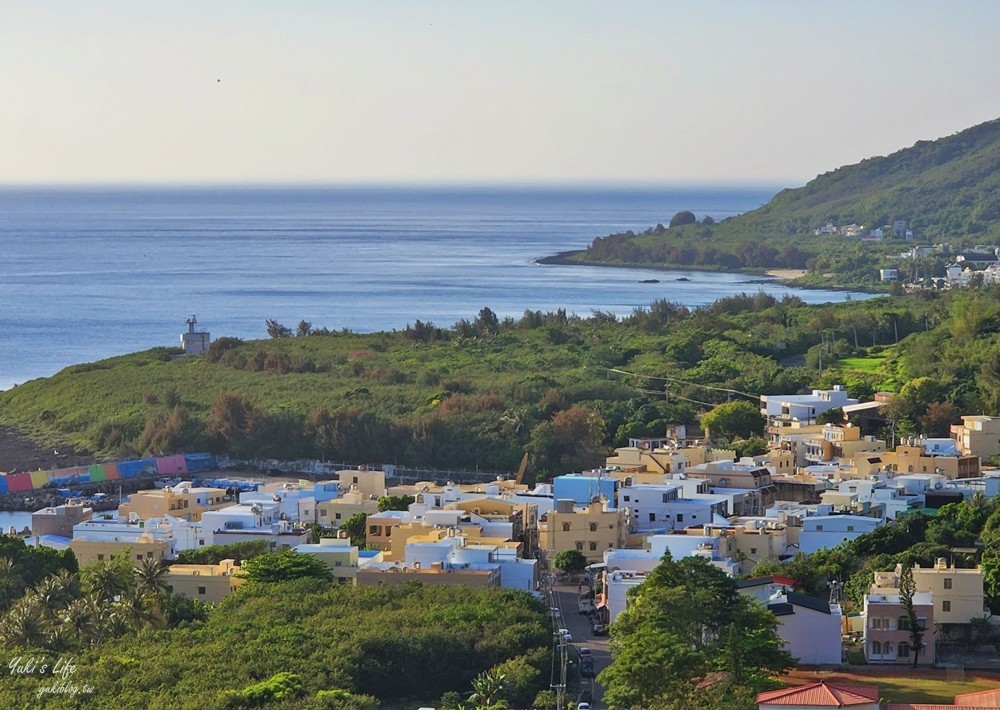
[{"x": 18, "y": 453}]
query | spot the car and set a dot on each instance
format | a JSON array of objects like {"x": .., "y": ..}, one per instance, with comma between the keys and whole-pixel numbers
[
  {"x": 599, "y": 630},
  {"x": 583, "y": 706},
  {"x": 554, "y": 612},
  {"x": 566, "y": 635},
  {"x": 584, "y": 651}
]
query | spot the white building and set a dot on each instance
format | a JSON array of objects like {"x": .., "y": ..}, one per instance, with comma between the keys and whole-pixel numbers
[
  {"x": 810, "y": 627},
  {"x": 663, "y": 507},
  {"x": 821, "y": 532},
  {"x": 804, "y": 407}
]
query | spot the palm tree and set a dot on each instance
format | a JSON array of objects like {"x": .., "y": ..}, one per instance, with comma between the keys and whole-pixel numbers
[
  {"x": 24, "y": 626},
  {"x": 139, "y": 608},
  {"x": 488, "y": 688},
  {"x": 56, "y": 591},
  {"x": 108, "y": 580},
  {"x": 11, "y": 584},
  {"x": 151, "y": 576},
  {"x": 81, "y": 618}
]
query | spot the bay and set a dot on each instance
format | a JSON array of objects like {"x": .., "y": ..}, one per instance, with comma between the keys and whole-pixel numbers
[{"x": 88, "y": 273}]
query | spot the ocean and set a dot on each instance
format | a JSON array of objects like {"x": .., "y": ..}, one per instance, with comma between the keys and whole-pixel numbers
[{"x": 90, "y": 273}]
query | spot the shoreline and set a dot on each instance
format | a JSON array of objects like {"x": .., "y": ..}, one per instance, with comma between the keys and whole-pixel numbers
[{"x": 788, "y": 277}]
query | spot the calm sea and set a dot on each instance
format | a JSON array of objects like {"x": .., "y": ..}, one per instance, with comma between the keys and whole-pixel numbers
[{"x": 92, "y": 273}]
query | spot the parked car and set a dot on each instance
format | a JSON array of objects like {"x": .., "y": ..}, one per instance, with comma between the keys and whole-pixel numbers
[
  {"x": 554, "y": 612},
  {"x": 585, "y": 651},
  {"x": 566, "y": 635},
  {"x": 599, "y": 630},
  {"x": 583, "y": 706}
]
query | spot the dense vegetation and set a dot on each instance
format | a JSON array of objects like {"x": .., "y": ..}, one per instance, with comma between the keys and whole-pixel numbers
[
  {"x": 685, "y": 622},
  {"x": 484, "y": 392},
  {"x": 286, "y": 639},
  {"x": 947, "y": 190}
]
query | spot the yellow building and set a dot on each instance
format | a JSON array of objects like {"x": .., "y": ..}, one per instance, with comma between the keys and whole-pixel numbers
[
  {"x": 978, "y": 436},
  {"x": 370, "y": 484},
  {"x": 590, "y": 530},
  {"x": 650, "y": 458},
  {"x": 957, "y": 593},
  {"x": 912, "y": 458},
  {"x": 145, "y": 547},
  {"x": 207, "y": 583},
  {"x": 181, "y": 501},
  {"x": 336, "y": 511},
  {"x": 338, "y": 554}
]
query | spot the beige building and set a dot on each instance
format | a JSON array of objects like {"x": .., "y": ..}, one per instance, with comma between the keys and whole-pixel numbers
[
  {"x": 399, "y": 573},
  {"x": 338, "y": 554},
  {"x": 59, "y": 520},
  {"x": 336, "y": 511},
  {"x": 370, "y": 484},
  {"x": 760, "y": 492},
  {"x": 207, "y": 583},
  {"x": 914, "y": 459},
  {"x": 180, "y": 501},
  {"x": 957, "y": 593},
  {"x": 978, "y": 436},
  {"x": 591, "y": 530},
  {"x": 655, "y": 457},
  {"x": 145, "y": 547}
]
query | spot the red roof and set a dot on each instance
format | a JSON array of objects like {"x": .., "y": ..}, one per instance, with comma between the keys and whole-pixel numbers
[
  {"x": 933, "y": 706},
  {"x": 822, "y": 694},
  {"x": 983, "y": 698}
]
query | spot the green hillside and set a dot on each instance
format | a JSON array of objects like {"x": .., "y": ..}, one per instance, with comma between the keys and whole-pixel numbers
[{"x": 947, "y": 190}]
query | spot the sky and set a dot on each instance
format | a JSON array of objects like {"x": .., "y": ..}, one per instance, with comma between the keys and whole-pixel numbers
[{"x": 322, "y": 91}]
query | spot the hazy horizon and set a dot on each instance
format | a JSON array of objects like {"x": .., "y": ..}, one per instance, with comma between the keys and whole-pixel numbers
[{"x": 520, "y": 93}]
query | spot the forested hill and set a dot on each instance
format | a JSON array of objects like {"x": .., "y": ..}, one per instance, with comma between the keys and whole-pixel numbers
[
  {"x": 947, "y": 191},
  {"x": 944, "y": 188}
]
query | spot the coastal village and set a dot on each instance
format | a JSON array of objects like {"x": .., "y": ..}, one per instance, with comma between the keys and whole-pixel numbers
[{"x": 819, "y": 486}]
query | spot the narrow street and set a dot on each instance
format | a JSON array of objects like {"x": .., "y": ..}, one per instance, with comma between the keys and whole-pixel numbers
[{"x": 565, "y": 598}]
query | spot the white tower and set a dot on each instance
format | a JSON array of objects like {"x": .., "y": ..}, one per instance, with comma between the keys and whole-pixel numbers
[{"x": 194, "y": 342}]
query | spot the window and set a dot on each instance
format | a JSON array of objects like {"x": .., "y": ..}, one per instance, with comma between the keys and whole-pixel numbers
[
  {"x": 850, "y": 528},
  {"x": 819, "y": 528},
  {"x": 322, "y": 513},
  {"x": 337, "y": 516},
  {"x": 186, "y": 504},
  {"x": 903, "y": 624},
  {"x": 666, "y": 497},
  {"x": 680, "y": 517},
  {"x": 946, "y": 605},
  {"x": 138, "y": 557},
  {"x": 149, "y": 555},
  {"x": 947, "y": 582},
  {"x": 626, "y": 499},
  {"x": 579, "y": 546},
  {"x": 877, "y": 647},
  {"x": 565, "y": 527},
  {"x": 355, "y": 479},
  {"x": 374, "y": 530},
  {"x": 652, "y": 517},
  {"x": 904, "y": 649},
  {"x": 753, "y": 550},
  {"x": 201, "y": 590},
  {"x": 593, "y": 547},
  {"x": 337, "y": 563},
  {"x": 100, "y": 557},
  {"x": 201, "y": 541},
  {"x": 593, "y": 527}
]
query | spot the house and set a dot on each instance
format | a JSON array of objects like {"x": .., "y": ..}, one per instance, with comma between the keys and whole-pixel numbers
[
  {"x": 804, "y": 407},
  {"x": 583, "y": 489},
  {"x": 821, "y": 532},
  {"x": 763, "y": 588},
  {"x": 748, "y": 483},
  {"x": 59, "y": 520},
  {"x": 957, "y": 593},
  {"x": 206, "y": 583},
  {"x": 818, "y": 696},
  {"x": 977, "y": 436},
  {"x": 809, "y": 627},
  {"x": 338, "y": 554},
  {"x": 184, "y": 500},
  {"x": 664, "y": 507},
  {"x": 887, "y": 637},
  {"x": 920, "y": 455},
  {"x": 591, "y": 530}
]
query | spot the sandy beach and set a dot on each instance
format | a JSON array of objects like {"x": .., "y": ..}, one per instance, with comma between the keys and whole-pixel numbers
[{"x": 786, "y": 274}]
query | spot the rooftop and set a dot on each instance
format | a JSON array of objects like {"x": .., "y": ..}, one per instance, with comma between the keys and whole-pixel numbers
[{"x": 822, "y": 694}]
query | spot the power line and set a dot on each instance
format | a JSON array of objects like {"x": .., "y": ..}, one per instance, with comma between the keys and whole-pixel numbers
[
  {"x": 685, "y": 382},
  {"x": 677, "y": 396}
]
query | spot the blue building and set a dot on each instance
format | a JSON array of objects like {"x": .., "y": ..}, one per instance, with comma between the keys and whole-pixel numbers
[{"x": 583, "y": 489}]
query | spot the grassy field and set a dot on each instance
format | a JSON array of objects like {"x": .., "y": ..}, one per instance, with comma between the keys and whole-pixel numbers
[
  {"x": 865, "y": 364},
  {"x": 905, "y": 685}
]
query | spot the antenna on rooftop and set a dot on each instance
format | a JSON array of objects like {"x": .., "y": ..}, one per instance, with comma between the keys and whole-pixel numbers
[{"x": 191, "y": 323}]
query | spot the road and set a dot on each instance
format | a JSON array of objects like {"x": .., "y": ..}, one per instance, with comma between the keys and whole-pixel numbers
[{"x": 565, "y": 597}]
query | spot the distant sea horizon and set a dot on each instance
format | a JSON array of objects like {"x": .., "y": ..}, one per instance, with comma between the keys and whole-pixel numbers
[{"x": 94, "y": 271}]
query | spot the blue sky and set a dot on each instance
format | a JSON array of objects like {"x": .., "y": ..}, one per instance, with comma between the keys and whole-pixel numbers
[{"x": 650, "y": 92}]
